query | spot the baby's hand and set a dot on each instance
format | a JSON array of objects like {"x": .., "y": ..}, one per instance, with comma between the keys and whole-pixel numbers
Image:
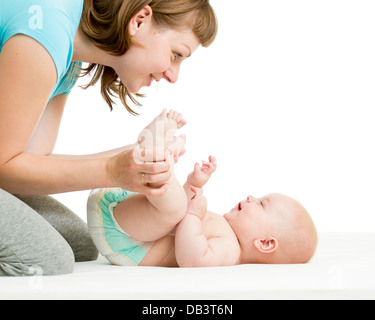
[
  {"x": 201, "y": 174},
  {"x": 198, "y": 204}
]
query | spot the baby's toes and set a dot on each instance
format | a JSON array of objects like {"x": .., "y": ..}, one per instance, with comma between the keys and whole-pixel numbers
[
  {"x": 181, "y": 123},
  {"x": 172, "y": 115}
]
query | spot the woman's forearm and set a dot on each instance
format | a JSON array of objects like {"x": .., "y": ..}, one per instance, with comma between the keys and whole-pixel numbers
[
  {"x": 105, "y": 154},
  {"x": 30, "y": 174}
]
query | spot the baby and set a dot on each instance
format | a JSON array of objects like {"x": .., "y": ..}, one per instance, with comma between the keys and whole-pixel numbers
[{"x": 177, "y": 230}]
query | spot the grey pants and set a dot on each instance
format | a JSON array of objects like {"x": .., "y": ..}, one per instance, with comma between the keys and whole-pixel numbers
[{"x": 39, "y": 235}]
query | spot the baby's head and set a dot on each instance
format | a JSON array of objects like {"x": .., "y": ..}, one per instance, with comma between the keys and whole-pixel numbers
[{"x": 273, "y": 229}]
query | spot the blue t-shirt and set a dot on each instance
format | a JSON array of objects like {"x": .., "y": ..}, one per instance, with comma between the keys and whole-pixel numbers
[{"x": 53, "y": 23}]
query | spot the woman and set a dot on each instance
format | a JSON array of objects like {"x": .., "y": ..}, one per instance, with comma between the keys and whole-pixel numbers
[{"x": 128, "y": 44}]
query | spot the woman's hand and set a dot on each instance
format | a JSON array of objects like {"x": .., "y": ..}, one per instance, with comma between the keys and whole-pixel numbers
[{"x": 127, "y": 170}]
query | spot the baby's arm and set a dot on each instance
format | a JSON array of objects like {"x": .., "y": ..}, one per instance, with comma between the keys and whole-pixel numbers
[
  {"x": 200, "y": 175},
  {"x": 193, "y": 248},
  {"x": 190, "y": 243}
]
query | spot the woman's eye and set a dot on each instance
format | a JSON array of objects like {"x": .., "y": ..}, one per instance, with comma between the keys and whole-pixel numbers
[{"x": 176, "y": 55}]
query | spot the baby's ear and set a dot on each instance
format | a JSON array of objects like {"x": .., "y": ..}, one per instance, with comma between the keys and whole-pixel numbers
[{"x": 267, "y": 245}]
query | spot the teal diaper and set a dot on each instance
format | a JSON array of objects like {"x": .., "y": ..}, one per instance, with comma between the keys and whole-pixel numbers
[{"x": 111, "y": 241}]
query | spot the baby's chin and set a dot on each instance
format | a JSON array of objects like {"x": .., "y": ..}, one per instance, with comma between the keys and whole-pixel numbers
[{"x": 229, "y": 215}]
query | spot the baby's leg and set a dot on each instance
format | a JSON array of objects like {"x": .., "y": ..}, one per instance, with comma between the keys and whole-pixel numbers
[
  {"x": 160, "y": 134},
  {"x": 149, "y": 218}
]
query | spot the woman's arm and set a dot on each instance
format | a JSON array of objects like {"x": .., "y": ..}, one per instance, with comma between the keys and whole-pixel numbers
[
  {"x": 27, "y": 77},
  {"x": 104, "y": 154},
  {"x": 45, "y": 135}
]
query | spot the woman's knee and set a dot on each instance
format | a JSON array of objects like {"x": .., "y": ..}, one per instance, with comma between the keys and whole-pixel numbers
[
  {"x": 71, "y": 227},
  {"x": 56, "y": 261},
  {"x": 29, "y": 245}
]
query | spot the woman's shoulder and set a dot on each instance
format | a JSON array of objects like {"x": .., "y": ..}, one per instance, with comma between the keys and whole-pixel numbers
[
  {"x": 72, "y": 8},
  {"x": 36, "y": 9},
  {"x": 52, "y": 23}
]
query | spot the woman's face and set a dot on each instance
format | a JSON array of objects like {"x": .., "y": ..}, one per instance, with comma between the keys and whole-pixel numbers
[{"x": 157, "y": 55}]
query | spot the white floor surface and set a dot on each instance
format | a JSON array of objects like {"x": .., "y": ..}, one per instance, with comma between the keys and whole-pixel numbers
[{"x": 343, "y": 268}]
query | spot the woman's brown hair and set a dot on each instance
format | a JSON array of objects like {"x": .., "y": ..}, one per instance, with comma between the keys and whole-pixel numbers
[{"x": 105, "y": 23}]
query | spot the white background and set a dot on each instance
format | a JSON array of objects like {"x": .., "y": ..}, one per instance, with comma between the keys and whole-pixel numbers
[{"x": 283, "y": 98}]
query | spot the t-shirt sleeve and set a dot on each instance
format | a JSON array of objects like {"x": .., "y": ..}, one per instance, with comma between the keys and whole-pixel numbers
[
  {"x": 67, "y": 83},
  {"x": 51, "y": 28}
]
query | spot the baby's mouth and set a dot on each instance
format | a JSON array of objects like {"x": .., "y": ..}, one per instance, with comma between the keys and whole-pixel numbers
[{"x": 237, "y": 208}]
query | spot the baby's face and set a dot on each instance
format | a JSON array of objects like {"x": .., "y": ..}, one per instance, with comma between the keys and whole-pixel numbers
[{"x": 255, "y": 218}]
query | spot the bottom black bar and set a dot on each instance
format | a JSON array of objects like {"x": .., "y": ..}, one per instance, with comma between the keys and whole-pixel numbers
[{"x": 186, "y": 309}]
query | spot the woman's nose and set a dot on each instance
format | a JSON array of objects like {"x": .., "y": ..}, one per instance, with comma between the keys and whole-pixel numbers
[
  {"x": 171, "y": 75},
  {"x": 251, "y": 199}
]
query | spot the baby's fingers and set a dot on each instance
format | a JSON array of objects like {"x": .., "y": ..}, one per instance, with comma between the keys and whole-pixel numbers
[
  {"x": 209, "y": 167},
  {"x": 213, "y": 161}
]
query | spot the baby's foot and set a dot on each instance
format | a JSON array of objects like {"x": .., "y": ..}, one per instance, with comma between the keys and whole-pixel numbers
[
  {"x": 177, "y": 147},
  {"x": 201, "y": 174},
  {"x": 160, "y": 133}
]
